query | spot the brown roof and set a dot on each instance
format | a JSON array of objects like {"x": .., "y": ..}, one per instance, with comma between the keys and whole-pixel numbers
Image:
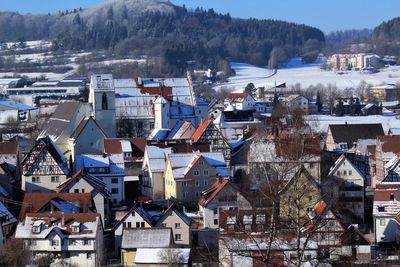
[
  {"x": 384, "y": 195},
  {"x": 212, "y": 192},
  {"x": 350, "y": 133},
  {"x": 236, "y": 96},
  {"x": 390, "y": 143},
  {"x": 34, "y": 202},
  {"x": 294, "y": 148},
  {"x": 200, "y": 130},
  {"x": 113, "y": 146},
  {"x": 8, "y": 147}
]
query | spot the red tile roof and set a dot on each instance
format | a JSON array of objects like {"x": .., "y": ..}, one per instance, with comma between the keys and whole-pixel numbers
[
  {"x": 384, "y": 195},
  {"x": 200, "y": 130},
  {"x": 8, "y": 147},
  {"x": 236, "y": 96},
  {"x": 34, "y": 202},
  {"x": 113, "y": 146},
  {"x": 390, "y": 143},
  {"x": 212, "y": 192}
]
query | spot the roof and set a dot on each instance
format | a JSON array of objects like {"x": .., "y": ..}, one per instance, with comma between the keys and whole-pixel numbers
[
  {"x": 238, "y": 115},
  {"x": 160, "y": 255},
  {"x": 35, "y": 202},
  {"x": 12, "y": 105},
  {"x": 209, "y": 194},
  {"x": 166, "y": 214},
  {"x": 237, "y": 97},
  {"x": 339, "y": 163},
  {"x": 48, "y": 223},
  {"x": 200, "y": 130},
  {"x": 7, "y": 216},
  {"x": 96, "y": 183},
  {"x": 146, "y": 238},
  {"x": 8, "y": 147},
  {"x": 390, "y": 143},
  {"x": 117, "y": 146},
  {"x": 41, "y": 147},
  {"x": 156, "y": 157},
  {"x": 350, "y": 133},
  {"x": 60, "y": 119},
  {"x": 182, "y": 130},
  {"x": 384, "y": 195}
]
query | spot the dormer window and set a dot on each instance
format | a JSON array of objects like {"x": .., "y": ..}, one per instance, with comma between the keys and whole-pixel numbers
[
  {"x": 75, "y": 227},
  {"x": 381, "y": 209},
  {"x": 37, "y": 227}
]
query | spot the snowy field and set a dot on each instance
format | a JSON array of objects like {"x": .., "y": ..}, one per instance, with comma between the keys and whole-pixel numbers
[
  {"x": 319, "y": 123},
  {"x": 305, "y": 74}
]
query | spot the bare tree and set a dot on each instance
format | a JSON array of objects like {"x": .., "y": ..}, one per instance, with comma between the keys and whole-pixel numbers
[
  {"x": 172, "y": 257},
  {"x": 14, "y": 253}
]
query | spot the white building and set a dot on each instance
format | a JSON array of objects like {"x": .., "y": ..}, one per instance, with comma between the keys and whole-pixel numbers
[
  {"x": 71, "y": 239},
  {"x": 107, "y": 168},
  {"x": 296, "y": 102},
  {"x": 14, "y": 112},
  {"x": 102, "y": 97},
  {"x": 240, "y": 101}
]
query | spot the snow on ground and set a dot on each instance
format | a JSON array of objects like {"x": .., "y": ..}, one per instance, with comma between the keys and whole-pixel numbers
[
  {"x": 122, "y": 61},
  {"x": 30, "y": 44},
  {"x": 320, "y": 123},
  {"x": 48, "y": 75},
  {"x": 305, "y": 74}
]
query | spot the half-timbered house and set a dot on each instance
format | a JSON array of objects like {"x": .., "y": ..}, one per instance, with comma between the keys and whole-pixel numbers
[{"x": 44, "y": 167}]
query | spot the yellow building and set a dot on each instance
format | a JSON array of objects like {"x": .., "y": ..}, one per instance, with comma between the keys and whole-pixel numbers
[
  {"x": 299, "y": 197},
  {"x": 189, "y": 174}
]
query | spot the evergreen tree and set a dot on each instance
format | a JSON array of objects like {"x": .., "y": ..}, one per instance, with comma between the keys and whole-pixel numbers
[{"x": 319, "y": 102}]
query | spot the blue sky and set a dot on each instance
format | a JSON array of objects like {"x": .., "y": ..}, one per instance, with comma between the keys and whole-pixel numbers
[{"x": 327, "y": 15}]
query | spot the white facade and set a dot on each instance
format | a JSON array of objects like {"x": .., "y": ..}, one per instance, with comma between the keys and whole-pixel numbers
[
  {"x": 102, "y": 97},
  {"x": 161, "y": 113}
]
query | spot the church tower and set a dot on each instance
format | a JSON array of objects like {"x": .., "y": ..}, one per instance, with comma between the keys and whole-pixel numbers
[
  {"x": 161, "y": 113},
  {"x": 102, "y": 98}
]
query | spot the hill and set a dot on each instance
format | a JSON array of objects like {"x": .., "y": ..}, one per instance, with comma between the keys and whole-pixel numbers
[
  {"x": 386, "y": 36},
  {"x": 173, "y": 34}
]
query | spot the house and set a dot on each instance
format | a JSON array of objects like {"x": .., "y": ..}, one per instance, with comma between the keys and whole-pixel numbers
[
  {"x": 136, "y": 217},
  {"x": 16, "y": 112},
  {"x": 67, "y": 239},
  {"x": 386, "y": 211},
  {"x": 342, "y": 137},
  {"x": 107, "y": 168},
  {"x": 387, "y": 147},
  {"x": 161, "y": 257},
  {"x": 153, "y": 183},
  {"x": 183, "y": 130},
  {"x": 337, "y": 240},
  {"x": 245, "y": 220},
  {"x": 139, "y": 238},
  {"x": 87, "y": 138},
  {"x": 60, "y": 126},
  {"x": 293, "y": 102},
  {"x": 82, "y": 182},
  {"x": 47, "y": 203},
  {"x": 189, "y": 174},
  {"x": 9, "y": 153},
  {"x": 179, "y": 223},
  {"x": 240, "y": 101},
  {"x": 221, "y": 196},
  {"x": 132, "y": 150},
  {"x": 299, "y": 195},
  {"x": 371, "y": 109},
  {"x": 208, "y": 132},
  {"x": 44, "y": 167},
  {"x": 345, "y": 187},
  {"x": 382, "y": 93}
]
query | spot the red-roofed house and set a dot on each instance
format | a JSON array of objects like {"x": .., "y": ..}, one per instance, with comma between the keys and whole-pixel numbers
[
  {"x": 221, "y": 196},
  {"x": 240, "y": 101}
]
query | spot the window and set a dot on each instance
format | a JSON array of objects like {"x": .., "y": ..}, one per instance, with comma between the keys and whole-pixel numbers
[
  {"x": 36, "y": 229},
  {"x": 311, "y": 165},
  {"x": 76, "y": 190},
  {"x": 137, "y": 224},
  {"x": 197, "y": 194},
  {"x": 35, "y": 179},
  {"x": 206, "y": 173},
  {"x": 201, "y": 162},
  {"x": 177, "y": 225},
  {"x": 382, "y": 222},
  {"x": 32, "y": 243},
  {"x": 381, "y": 209},
  {"x": 293, "y": 256},
  {"x": 142, "y": 224},
  {"x": 196, "y": 172},
  {"x": 104, "y": 102},
  {"x": 205, "y": 182},
  {"x": 129, "y": 225},
  {"x": 55, "y": 179},
  {"x": 114, "y": 180},
  {"x": 86, "y": 242},
  {"x": 350, "y": 172},
  {"x": 344, "y": 172},
  {"x": 184, "y": 184},
  {"x": 89, "y": 255},
  {"x": 71, "y": 242},
  {"x": 338, "y": 173},
  {"x": 185, "y": 194},
  {"x": 164, "y": 225},
  {"x": 178, "y": 237},
  {"x": 197, "y": 183},
  {"x": 114, "y": 191},
  {"x": 215, "y": 221},
  {"x": 54, "y": 242},
  {"x": 75, "y": 228},
  {"x": 215, "y": 210},
  {"x": 83, "y": 190},
  {"x": 391, "y": 196}
]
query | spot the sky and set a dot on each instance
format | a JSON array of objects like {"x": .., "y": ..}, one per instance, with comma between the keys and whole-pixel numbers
[{"x": 327, "y": 15}]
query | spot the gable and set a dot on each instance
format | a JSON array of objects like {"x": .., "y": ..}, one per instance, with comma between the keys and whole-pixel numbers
[{"x": 45, "y": 165}]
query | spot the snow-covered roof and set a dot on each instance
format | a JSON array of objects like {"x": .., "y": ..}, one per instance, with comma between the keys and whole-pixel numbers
[
  {"x": 126, "y": 146},
  {"x": 12, "y": 105},
  {"x": 160, "y": 255},
  {"x": 182, "y": 130},
  {"x": 146, "y": 238},
  {"x": 156, "y": 157},
  {"x": 158, "y": 134},
  {"x": 53, "y": 222}
]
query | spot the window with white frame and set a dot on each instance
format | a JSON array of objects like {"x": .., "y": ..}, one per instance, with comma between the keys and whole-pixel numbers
[
  {"x": 196, "y": 172},
  {"x": 54, "y": 242},
  {"x": 35, "y": 179},
  {"x": 178, "y": 237},
  {"x": 177, "y": 225},
  {"x": 55, "y": 179}
]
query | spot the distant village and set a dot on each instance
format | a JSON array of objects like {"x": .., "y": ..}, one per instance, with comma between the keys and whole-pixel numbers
[{"x": 146, "y": 172}]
